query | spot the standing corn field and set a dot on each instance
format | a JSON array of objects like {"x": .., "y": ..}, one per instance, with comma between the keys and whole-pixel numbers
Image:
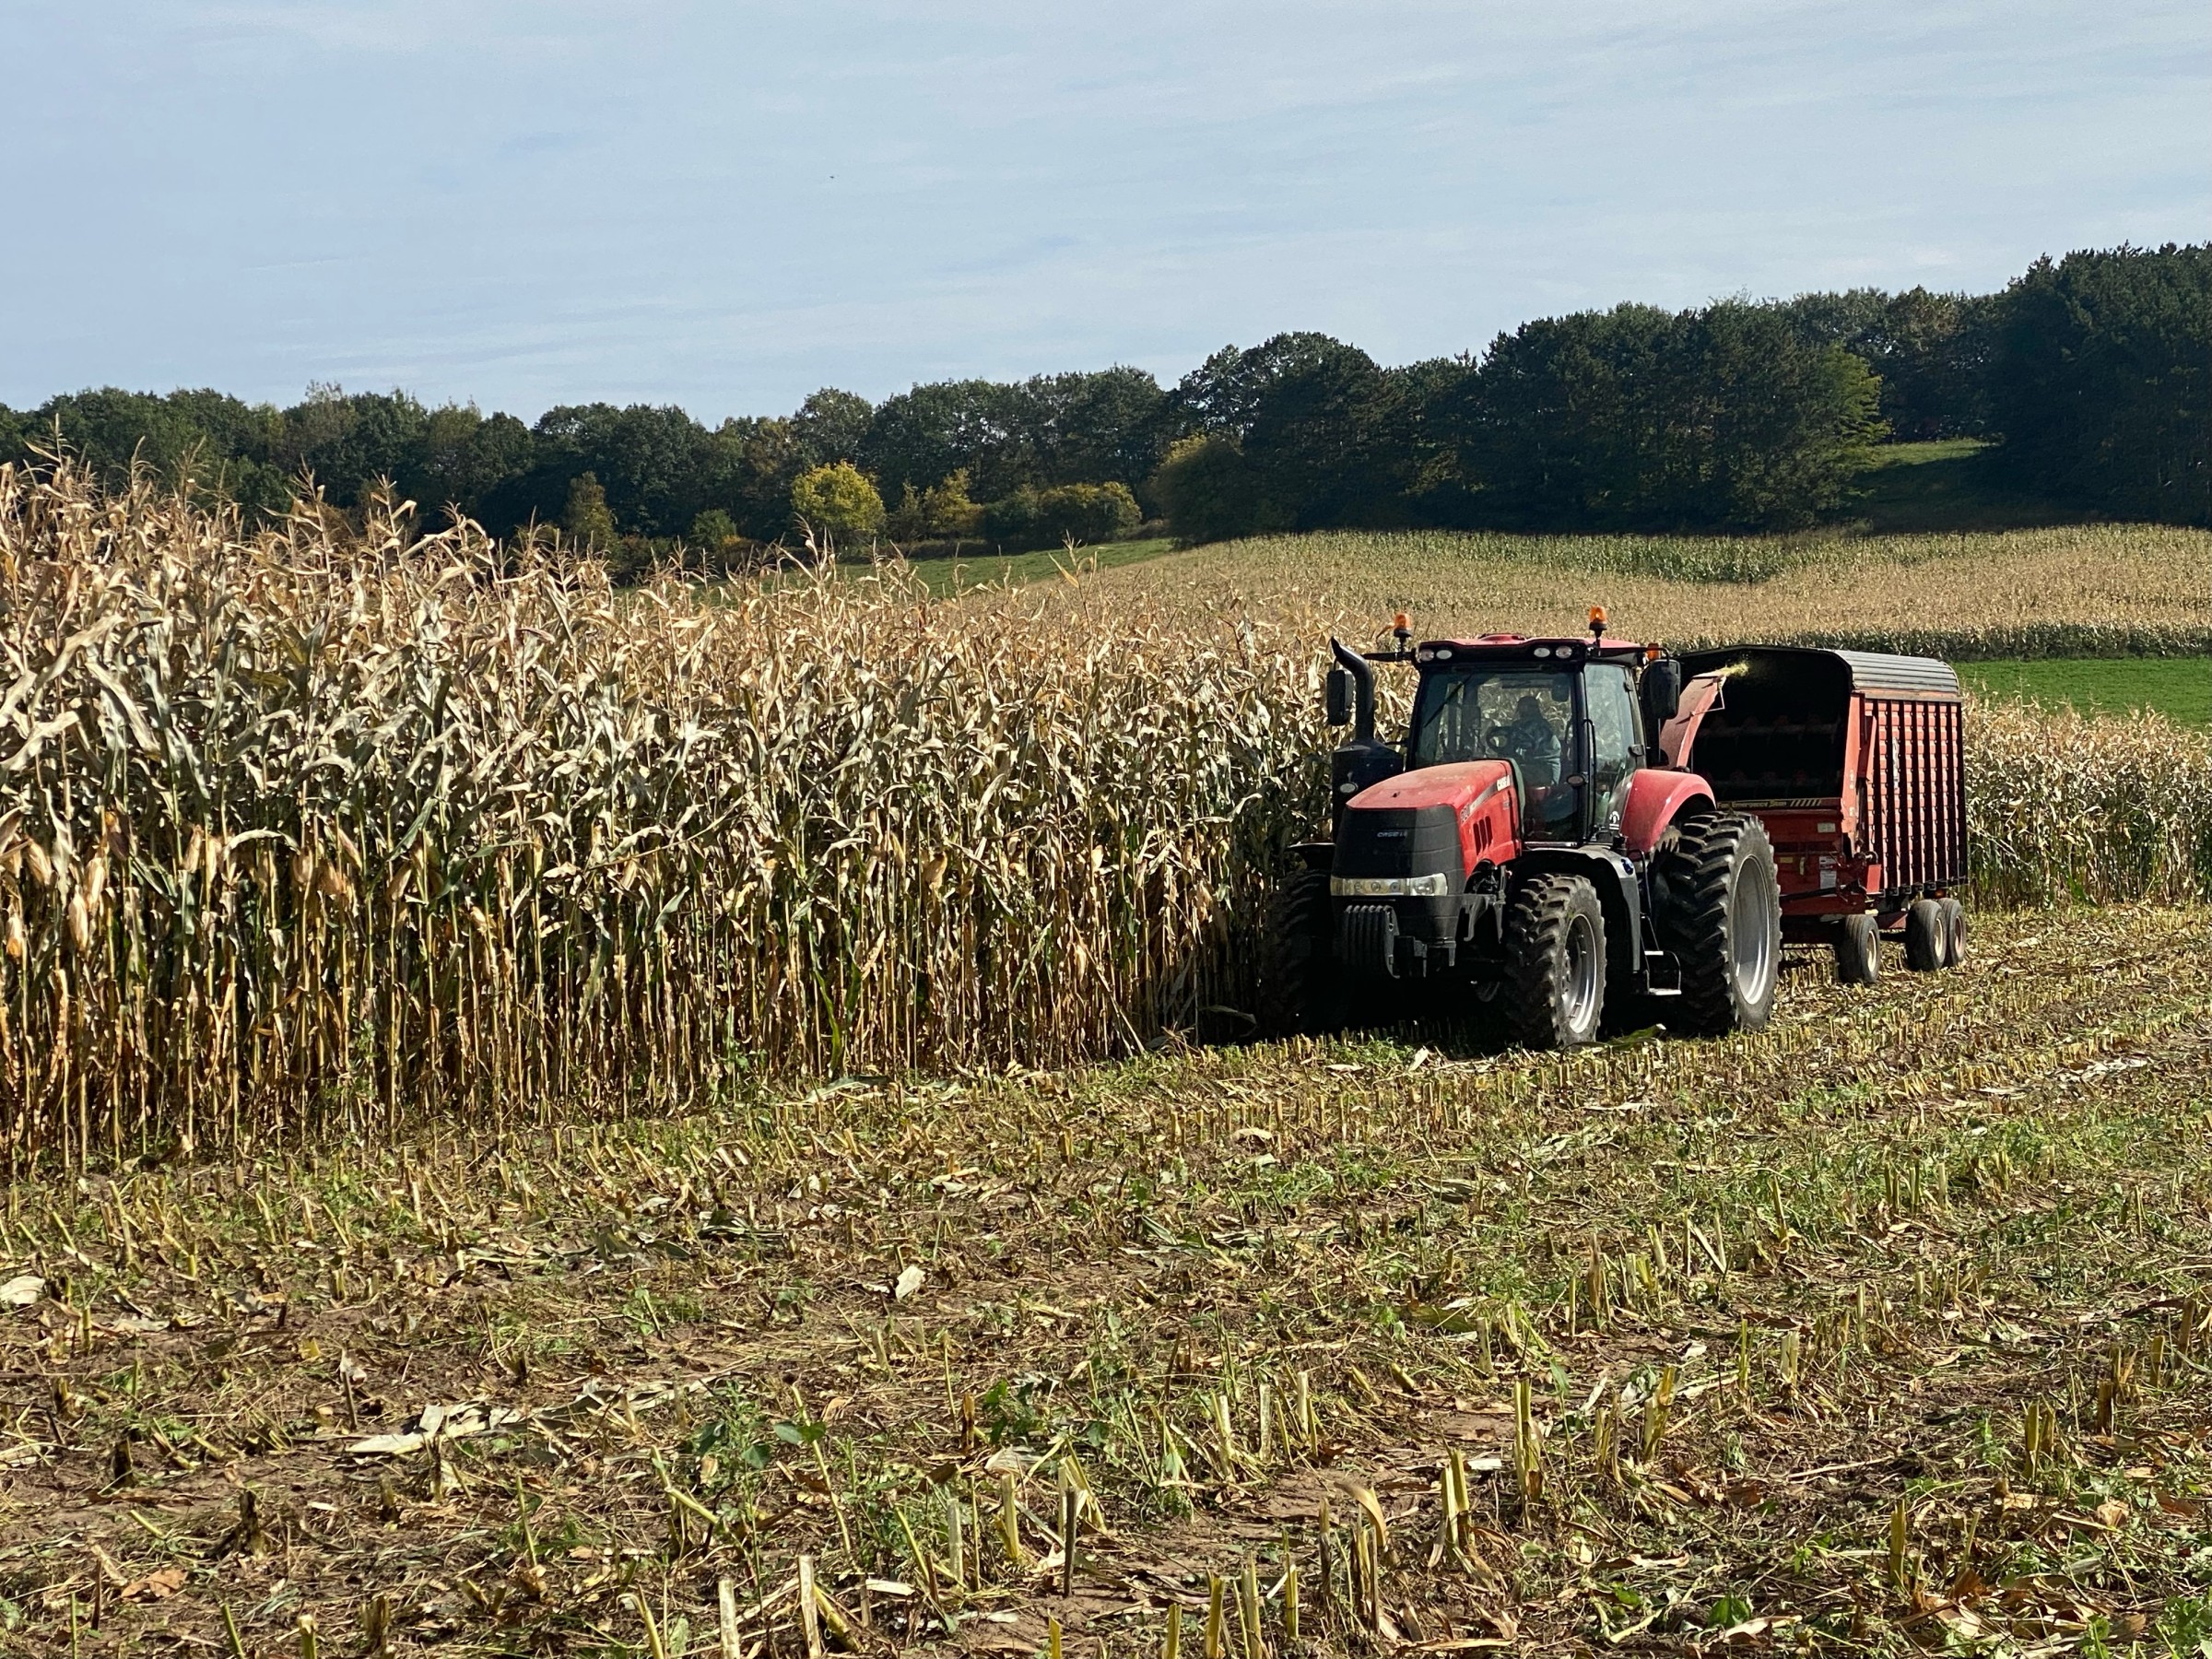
[{"x": 318, "y": 825}]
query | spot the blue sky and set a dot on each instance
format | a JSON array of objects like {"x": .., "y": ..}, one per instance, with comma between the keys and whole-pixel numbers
[{"x": 726, "y": 205}]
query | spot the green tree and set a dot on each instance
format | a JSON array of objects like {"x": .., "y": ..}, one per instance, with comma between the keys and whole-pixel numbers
[
  {"x": 586, "y": 519},
  {"x": 218, "y": 446},
  {"x": 1086, "y": 513},
  {"x": 1011, "y": 520},
  {"x": 1207, "y": 490},
  {"x": 837, "y": 499},
  {"x": 1639, "y": 417},
  {"x": 832, "y": 424},
  {"x": 1224, "y": 393},
  {"x": 1089, "y": 427},
  {"x": 2103, "y": 381},
  {"x": 1930, "y": 350},
  {"x": 948, "y": 512},
  {"x": 907, "y": 522},
  {"x": 658, "y": 465},
  {"x": 756, "y": 461},
  {"x": 942, "y": 512},
  {"x": 932, "y": 430},
  {"x": 1057, "y": 429},
  {"x": 714, "y": 529},
  {"x": 349, "y": 443},
  {"x": 1323, "y": 441}
]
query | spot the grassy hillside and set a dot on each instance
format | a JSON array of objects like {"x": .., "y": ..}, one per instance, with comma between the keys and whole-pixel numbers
[
  {"x": 2178, "y": 687},
  {"x": 1949, "y": 485}
]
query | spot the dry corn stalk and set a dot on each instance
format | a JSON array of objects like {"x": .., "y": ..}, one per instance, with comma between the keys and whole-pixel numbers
[{"x": 318, "y": 824}]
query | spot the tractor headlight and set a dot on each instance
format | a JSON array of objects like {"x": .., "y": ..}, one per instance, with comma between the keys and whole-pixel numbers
[{"x": 1391, "y": 886}]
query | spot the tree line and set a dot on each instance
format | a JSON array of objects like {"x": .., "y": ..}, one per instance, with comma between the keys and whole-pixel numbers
[{"x": 2091, "y": 371}]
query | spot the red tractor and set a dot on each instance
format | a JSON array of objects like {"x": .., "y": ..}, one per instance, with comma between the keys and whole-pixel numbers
[{"x": 1552, "y": 837}]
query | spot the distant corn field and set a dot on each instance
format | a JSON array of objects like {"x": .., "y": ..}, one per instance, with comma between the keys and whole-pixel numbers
[
  {"x": 2087, "y": 590},
  {"x": 324, "y": 826}
]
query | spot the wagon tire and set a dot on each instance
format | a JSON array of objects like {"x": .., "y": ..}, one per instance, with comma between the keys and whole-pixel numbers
[
  {"x": 1555, "y": 962},
  {"x": 1299, "y": 989},
  {"x": 1859, "y": 950},
  {"x": 1953, "y": 933},
  {"x": 1924, "y": 932},
  {"x": 1719, "y": 910}
]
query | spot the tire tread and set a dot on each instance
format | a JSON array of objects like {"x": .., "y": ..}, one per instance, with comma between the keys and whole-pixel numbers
[
  {"x": 1694, "y": 908},
  {"x": 1535, "y": 928},
  {"x": 1297, "y": 978}
]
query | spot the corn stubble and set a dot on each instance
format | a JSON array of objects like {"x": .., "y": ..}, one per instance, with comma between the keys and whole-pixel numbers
[
  {"x": 326, "y": 826},
  {"x": 1888, "y": 1320}
]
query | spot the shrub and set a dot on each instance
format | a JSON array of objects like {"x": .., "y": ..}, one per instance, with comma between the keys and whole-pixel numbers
[
  {"x": 1011, "y": 520},
  {"x": 1046, "y": 518},
  {"x": 712, "y": 528},
  {"x": 1086, "y": 512}
]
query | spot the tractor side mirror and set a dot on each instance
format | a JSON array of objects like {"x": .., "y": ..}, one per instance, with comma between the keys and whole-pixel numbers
[
  {"x": 1339, "y": 697},
  {"x": 1661, "y": 690}
]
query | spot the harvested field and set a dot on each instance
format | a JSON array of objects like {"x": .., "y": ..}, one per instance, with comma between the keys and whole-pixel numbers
[{"x": 1887, "y": 1330}]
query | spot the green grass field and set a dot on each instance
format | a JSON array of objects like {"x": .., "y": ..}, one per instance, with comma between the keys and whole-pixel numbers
[
  {"x": 2178, "y": 687},
  {"x": 951, "y": 575}
]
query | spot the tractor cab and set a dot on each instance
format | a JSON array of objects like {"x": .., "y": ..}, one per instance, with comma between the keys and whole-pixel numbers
[{"x": 1574, "y": 719}]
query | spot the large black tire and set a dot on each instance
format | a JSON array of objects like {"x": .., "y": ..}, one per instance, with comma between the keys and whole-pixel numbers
[
  {"x": 1719, "y": 914},
  {"x": 1299, "y": 983},
  {"x": 1924, "y": 932},
  {"x": 1555, "y": 962},
  {"x": 1953, "y": 933},
  {"x": 1859, "y": 950}
]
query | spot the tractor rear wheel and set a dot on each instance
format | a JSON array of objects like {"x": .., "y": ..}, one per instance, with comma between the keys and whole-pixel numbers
[
  {"x": 1859, "y": 950},
  {"x": 1924, "y": 936},
  {"x": 1720, "y": 912},
  {"x": 1298, "y": 989},
  {"x": 1953, "y": 933},
  {"x": 1555, "y": 962}
]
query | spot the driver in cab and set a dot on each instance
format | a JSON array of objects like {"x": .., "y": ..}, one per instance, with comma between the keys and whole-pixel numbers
[{"x": 1532, "y": 740}]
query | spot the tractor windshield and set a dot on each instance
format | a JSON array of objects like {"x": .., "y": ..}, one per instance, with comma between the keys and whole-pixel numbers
[{"x": 1524, "y": 716}]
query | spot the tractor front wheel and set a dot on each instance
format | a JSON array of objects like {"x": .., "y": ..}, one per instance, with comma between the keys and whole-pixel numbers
[
  {"x": 1555, "y": 961},
  {"x": 1298, "y": 989},
  {"x": 1720, "y": 912}
]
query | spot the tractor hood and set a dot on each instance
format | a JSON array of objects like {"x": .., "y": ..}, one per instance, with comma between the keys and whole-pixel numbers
[{"x": 1438, "y": 819}]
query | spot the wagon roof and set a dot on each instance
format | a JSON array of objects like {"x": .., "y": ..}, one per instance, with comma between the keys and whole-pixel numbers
[{"x": 1869, "y": 670}]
